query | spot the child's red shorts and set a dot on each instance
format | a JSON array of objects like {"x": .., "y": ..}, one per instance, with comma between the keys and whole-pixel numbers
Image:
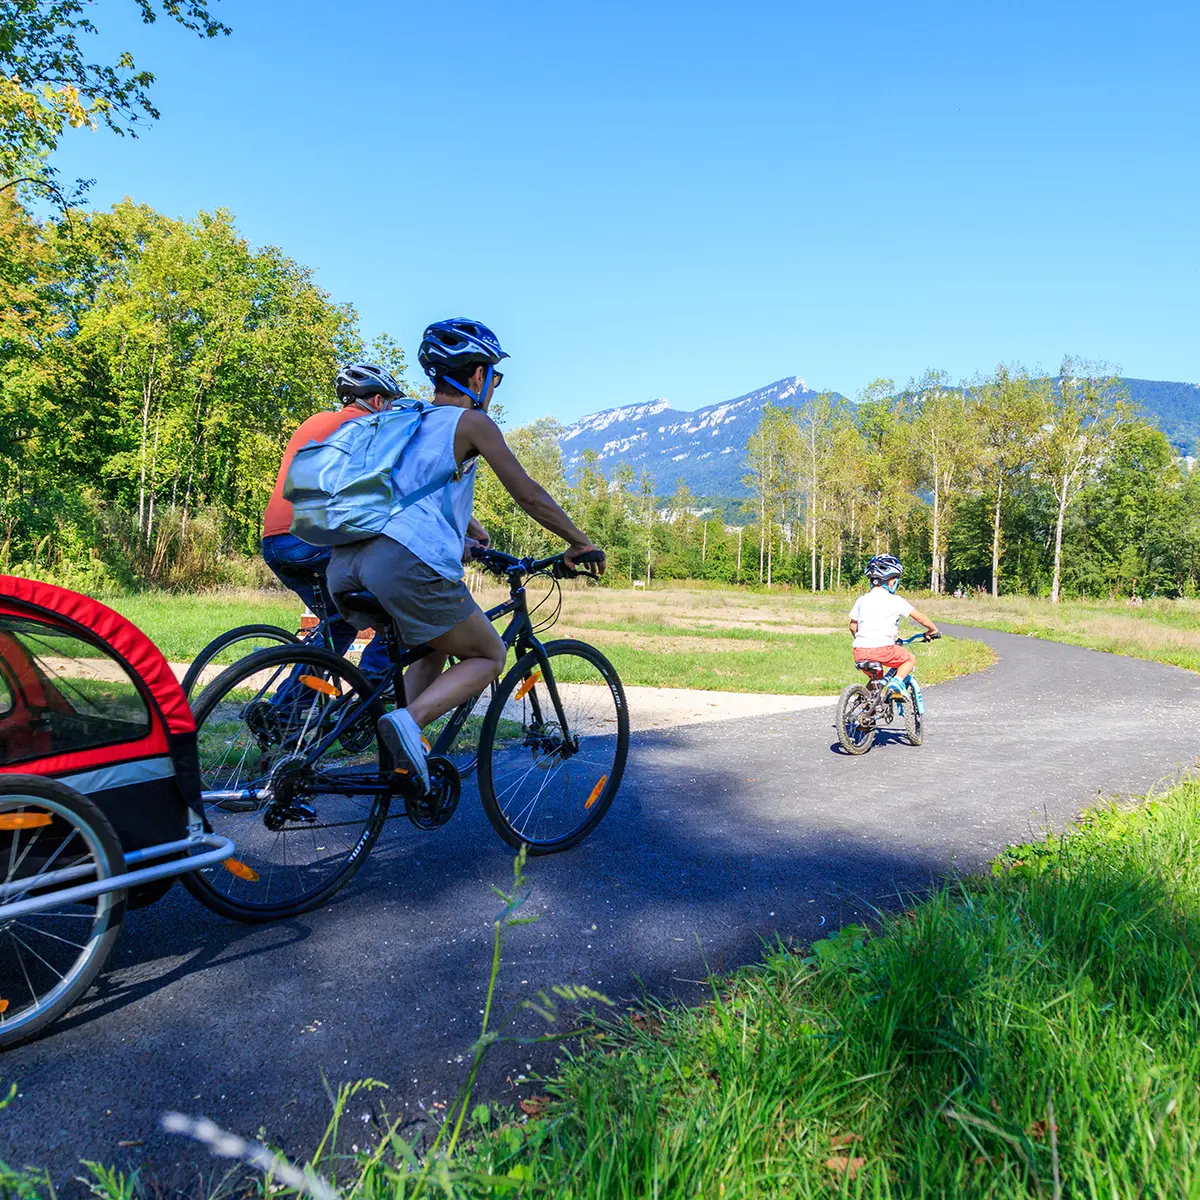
[{"x": 890, "y": 656}]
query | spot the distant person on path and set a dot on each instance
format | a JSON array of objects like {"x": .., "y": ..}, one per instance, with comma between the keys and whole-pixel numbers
[
  {"x": 414, "y": 567},
  {"x": 362, "y": 389},
  {"x": 875, "y": 622}
]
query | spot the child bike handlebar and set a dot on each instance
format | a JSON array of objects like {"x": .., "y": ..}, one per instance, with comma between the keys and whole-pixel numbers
[{"x": 923, "y": 636}]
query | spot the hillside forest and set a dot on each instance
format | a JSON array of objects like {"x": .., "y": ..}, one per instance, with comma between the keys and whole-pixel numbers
[{"x": 152, "y": 369}]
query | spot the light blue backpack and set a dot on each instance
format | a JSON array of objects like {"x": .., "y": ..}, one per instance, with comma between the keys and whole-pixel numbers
[{"x": 341, "y": 489}]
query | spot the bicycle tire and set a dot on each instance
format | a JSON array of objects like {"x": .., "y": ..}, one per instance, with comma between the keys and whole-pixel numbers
[
  {"x": 216, "y": 710},
  {"x": 855, "y": 694},
  {"x": 914, "y": 721},
  {"x": 535, "y": 745},
  {"x": 227, "y": 639},
  {"x": 71, "y": 814}
]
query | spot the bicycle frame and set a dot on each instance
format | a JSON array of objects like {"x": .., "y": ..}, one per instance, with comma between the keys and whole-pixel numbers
[
  {"x": 518, "y": 636},
  {"x": 876, "y": 684}
]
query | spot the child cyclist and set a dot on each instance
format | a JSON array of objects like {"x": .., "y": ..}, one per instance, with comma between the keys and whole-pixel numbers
[{"x": 875, "y": 623}]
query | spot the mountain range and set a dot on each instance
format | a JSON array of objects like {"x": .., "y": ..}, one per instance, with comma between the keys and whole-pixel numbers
[{"x": 707, "y": 448}]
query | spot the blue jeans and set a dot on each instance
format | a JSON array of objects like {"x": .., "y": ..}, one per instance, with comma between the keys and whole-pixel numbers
[{"x": 295, "y": 563}]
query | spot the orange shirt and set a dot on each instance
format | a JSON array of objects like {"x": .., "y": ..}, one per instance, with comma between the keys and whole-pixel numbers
[{"x": 278, "y": 515}]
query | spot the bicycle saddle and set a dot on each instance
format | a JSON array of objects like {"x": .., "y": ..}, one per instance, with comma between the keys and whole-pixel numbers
[
  {"x": 301, "y": 575},
  {"x": 362, "y": 602},
  {"x": 871, "y": 667}
]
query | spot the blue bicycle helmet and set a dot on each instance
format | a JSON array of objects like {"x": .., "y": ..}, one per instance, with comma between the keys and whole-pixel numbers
[
  {"x": 457, "y": 345},
  {"x": 883, "y": 568}
]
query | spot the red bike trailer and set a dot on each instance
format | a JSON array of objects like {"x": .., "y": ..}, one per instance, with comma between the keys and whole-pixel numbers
[{"x": 99, "y": 793}]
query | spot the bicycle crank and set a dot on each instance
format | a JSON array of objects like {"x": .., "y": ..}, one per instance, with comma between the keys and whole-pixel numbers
[{"x": 436, "y": 807}]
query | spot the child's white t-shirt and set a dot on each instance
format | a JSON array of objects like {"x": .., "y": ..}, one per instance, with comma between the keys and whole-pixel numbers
[{"x": 878, "y": 614}]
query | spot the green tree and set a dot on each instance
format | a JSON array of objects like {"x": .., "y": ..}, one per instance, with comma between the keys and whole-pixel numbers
[
  {"x": 945, "y": 438},
  {"x": 48, "y": 81},
  {"x": 1012, "y": 410},
  {"x": 1088, "y": 407}
]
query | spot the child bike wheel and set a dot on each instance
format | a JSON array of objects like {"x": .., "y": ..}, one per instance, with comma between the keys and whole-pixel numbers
[
  {"x": 49, "y": 957},
  {"x": 856, "y": 735},
  {"x": 914, "y": 722}
]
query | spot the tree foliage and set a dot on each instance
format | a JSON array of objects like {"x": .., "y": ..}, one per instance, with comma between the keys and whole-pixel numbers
[
  {"x": 48, "y": 81},
  {"x": 151, "y": 370}
]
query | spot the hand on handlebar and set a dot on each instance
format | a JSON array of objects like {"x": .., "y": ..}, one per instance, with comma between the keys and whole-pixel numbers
[
  {"x": 931, "y": 635},
  {"x": 591, "y": 557}
]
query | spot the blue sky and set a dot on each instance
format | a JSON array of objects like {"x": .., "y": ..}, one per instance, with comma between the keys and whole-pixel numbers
[{"x": 691, "y": 201}]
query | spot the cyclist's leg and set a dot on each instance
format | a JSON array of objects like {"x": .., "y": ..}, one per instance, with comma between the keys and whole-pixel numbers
[
  {"x": 293, "y": 563},
  {"x": 374, "y": 662},
  {"x": 421, "y": 674},
  {"x": 480, "y": 653}
]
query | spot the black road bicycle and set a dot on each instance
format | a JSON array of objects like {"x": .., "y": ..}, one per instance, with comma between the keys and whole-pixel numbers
[
  {"x": 862, "y": 709},
  {"x": 304, "y": 787}
]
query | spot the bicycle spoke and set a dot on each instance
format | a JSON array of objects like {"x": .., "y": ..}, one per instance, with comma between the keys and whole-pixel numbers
[
  {"x": 552, "y": 768},
  {"x": 282, "y": 776}
]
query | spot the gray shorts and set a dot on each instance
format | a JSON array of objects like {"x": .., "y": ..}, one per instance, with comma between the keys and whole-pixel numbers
[{"x": 423, "y": 604}]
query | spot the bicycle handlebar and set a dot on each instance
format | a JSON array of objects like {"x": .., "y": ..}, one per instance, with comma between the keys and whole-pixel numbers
[
  {"x": 924, "y": 636},
  {"x": 500, "y": 563}
]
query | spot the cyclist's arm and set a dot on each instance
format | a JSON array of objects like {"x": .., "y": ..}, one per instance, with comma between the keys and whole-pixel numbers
[
  {"x": 853, "y": 626},
  {"x": 922, "y": 619},
  {"x": 478, "y": 434}
]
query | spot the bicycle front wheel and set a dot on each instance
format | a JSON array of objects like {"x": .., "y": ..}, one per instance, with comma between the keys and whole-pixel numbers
[
  {"x": 290, "y": 770},
  {"x": 548, "y": 775},
  {"x": 49, "y": 957},
  {"x": 914, "y": 721},
  {"x": 232, "y": 645}
]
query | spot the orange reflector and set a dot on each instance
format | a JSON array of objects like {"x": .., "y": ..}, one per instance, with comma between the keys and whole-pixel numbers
[
  {"x": 320, "y": 685},
  {"x": 24, "y": 820},
  {"x": 3, "y": 1006},
  {"x": 596, "y": 791},
  {"x": 527, "y": 686},
  {"x": 234, "y": 867}
]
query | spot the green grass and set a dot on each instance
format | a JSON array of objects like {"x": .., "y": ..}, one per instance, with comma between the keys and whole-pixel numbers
[
  {"x": 1166, "y": 631},
  {"x": 813, "y": 664},
  {"x": 182, "y": 625},
  {"x": 1032, "y": 1032},
  {"x": 786, "y": 663},
  {"x": 927, "y": 1056}
]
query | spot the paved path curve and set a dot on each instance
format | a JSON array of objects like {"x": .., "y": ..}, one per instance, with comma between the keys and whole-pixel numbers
[{"x": 724, "y": 834}]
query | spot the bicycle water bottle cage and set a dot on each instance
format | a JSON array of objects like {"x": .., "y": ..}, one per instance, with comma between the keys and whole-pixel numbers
[{"x": 870, "y": 667}]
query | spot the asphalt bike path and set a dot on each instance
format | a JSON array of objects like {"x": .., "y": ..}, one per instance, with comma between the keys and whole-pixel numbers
[{"x": 724, "y": 835}]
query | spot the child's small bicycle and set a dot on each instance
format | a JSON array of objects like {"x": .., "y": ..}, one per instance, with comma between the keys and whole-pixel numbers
[{"x": 865, "y": 707}]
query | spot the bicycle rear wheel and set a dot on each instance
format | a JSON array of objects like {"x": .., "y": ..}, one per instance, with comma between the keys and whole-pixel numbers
[
  {"x": 545, "y": 784},
  {"x": 855, "y": 731},
  {"x": 48, "y": 958},
  {"x": 290, "y": 770},
  {"x": 233, "y": 645}
]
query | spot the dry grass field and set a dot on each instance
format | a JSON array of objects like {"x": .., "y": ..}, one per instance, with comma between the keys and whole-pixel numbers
[{"x": 718, "y": 639}]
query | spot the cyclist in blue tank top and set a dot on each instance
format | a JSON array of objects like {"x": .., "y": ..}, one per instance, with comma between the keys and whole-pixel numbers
[{"x": 415, "y": 566}]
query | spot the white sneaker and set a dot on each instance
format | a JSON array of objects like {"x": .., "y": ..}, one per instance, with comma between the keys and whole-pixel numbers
[{"x": 402, "y": 736}]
